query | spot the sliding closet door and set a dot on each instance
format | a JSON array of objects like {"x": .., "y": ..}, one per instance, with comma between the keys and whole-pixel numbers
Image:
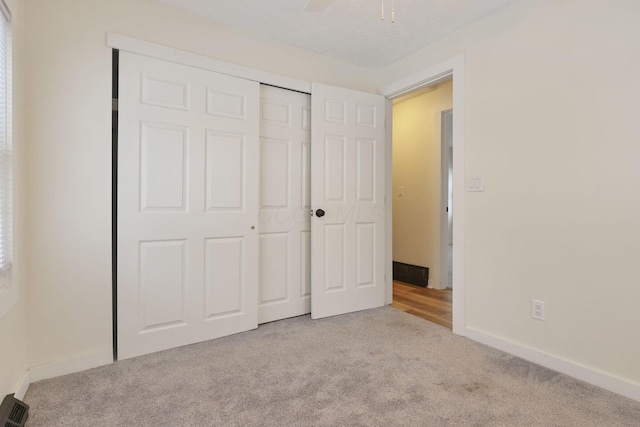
[
  {"x": 188, "y": 164},
  {"x": 285, "y": 201},
  {"x": 347, "y": 164}
]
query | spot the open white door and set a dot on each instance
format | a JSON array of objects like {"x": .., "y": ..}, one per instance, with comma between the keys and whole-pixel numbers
[
  {"x": 348, "y": 187},
  {"x": 187, "y": 205}
]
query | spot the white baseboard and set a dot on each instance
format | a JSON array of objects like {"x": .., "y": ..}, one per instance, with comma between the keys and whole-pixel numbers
[
  {"x": 73, "y": 364},
  {"x": 592, "y": 376},
  {"x": 23, "y": 386}
]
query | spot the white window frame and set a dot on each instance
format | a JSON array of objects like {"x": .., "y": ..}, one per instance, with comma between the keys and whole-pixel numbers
[{"x": 8, "y": 291}]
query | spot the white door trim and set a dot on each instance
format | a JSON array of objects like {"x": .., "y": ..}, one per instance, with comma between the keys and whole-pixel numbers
[
  {"x": 157, "y": 51},
  {"x": 444, "y": 203},
  {"x": 453, "y": 67}
]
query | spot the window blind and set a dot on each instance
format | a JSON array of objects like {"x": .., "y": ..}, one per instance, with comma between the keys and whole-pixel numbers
[{"x": 5, "y": 144}]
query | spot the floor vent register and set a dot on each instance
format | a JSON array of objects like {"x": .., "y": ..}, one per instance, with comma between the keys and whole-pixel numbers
[{"x": 13, "y": 412}]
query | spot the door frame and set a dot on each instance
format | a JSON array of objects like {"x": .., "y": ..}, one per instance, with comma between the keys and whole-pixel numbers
[
  {"x": 158, "y": 51},
  {"x": 445, "y": 183},
  {"x": 451, "y": 68}
]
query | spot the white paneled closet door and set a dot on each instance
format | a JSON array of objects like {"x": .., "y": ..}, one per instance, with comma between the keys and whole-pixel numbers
[
  {"x": 348, "y": 187},
  {"x": 285, "y": 203},
  {"x": 188, "y": 211}
]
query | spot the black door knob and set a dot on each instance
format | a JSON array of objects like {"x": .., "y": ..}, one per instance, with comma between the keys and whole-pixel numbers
[{"x": 319, "y": 213}]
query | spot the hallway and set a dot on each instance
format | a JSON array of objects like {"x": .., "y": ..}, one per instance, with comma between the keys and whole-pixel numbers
[{"x": 433, "y": 305}]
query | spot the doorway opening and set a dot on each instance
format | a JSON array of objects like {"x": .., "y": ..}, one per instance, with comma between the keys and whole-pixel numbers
[{"x": 422, "y": 200}]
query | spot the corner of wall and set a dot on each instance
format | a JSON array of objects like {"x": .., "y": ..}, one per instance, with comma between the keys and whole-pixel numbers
[{"x": 22, "y": 386}]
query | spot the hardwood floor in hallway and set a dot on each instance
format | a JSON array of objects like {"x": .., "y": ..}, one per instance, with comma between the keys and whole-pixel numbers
[{"x": 433, "y": 305}]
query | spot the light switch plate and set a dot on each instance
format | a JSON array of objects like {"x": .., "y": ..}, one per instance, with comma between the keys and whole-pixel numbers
[{"x": 475, "y": 183}]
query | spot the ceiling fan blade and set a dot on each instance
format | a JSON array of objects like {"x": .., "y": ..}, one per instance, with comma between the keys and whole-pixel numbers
[{"x": 317, "y": 5}]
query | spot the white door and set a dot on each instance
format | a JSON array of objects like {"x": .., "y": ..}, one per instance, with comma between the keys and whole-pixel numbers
[
  {"x": 347, "y": 169},
  {"x": 285, "y": 203},
  {"x": 187, "y": 205}
]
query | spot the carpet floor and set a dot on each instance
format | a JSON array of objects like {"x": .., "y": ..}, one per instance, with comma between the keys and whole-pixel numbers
[{"x": 378, "y": 367}]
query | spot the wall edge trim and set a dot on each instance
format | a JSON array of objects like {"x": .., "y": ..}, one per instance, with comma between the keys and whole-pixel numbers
[
  {"x": 23, "y": 385},
  {"x": 559, "y": 364},
  {"x": 81, "y": 362}
]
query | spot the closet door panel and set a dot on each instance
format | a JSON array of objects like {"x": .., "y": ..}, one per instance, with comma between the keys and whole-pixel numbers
[
  {"x": 284, "y": 204},
  {"x": 188, "y": 205}
]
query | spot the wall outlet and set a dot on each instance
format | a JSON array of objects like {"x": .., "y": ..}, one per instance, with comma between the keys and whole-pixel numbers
[{"x": 537, "y": 309}]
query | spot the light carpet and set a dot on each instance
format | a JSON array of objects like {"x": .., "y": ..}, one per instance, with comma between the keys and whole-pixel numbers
[{"x": 378, "y": 367}]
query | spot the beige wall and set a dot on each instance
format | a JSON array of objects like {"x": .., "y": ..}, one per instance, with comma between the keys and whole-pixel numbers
[
  {"x": 551, "y": 106},
  {"x": 68, "y": 102},
  {"x": 13, "y": 359},
  {"x": 416, "y": 168}
]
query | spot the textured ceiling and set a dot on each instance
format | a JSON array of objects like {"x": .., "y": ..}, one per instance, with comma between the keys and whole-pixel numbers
[{"x": 350, "y": 30}]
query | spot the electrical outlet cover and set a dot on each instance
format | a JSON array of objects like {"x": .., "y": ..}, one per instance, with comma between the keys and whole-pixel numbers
[{"x": 537, "y": 309}]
